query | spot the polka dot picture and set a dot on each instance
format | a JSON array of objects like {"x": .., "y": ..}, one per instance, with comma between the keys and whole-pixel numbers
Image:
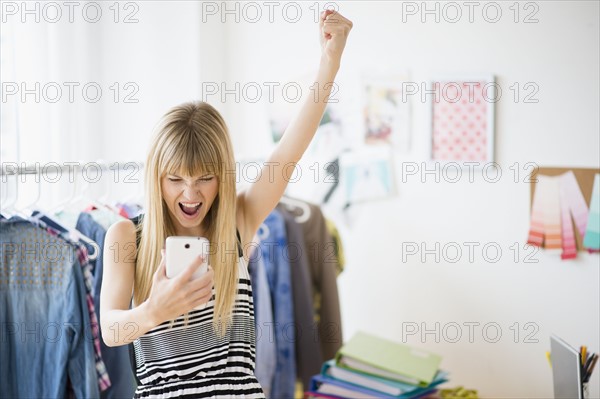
[{"x": 459, "y": 121}]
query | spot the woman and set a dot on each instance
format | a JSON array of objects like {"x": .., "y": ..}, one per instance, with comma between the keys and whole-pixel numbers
[{"x": 191, "y": 191}]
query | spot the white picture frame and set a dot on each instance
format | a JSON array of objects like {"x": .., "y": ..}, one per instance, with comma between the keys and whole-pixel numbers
[{"x": 442, "y": 93}]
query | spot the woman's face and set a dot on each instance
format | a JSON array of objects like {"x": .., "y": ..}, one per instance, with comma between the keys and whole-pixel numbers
[{"x": 189, "y": 199}]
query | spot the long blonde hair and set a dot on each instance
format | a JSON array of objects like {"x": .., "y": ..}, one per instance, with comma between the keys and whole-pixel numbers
[{"x": 191, "y": 139}]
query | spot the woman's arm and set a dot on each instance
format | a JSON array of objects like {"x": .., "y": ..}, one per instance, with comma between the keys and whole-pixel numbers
[
  {"x": 121, "y": 325},
  {"x": 260, "y": 198},
  {"x": 169, "y": 297}
]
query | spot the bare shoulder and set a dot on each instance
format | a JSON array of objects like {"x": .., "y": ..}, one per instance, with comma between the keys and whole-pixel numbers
[
  {"x": 121, "y": 228},
  {"x": 119, "y": 267},
  {"x": 121, "y": 233}
]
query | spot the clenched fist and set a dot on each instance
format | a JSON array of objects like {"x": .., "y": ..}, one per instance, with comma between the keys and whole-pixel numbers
[{"x": 334, "y": 30}]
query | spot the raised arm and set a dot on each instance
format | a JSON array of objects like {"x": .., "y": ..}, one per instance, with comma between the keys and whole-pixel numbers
[{"x": 260, "y": 198}]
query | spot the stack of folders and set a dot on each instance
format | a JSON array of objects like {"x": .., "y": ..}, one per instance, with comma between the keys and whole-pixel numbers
[{"x": 370, "y": 366}]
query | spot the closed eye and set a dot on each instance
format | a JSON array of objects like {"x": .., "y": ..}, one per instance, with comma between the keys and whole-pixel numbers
[{"x": 177, "y": 179}]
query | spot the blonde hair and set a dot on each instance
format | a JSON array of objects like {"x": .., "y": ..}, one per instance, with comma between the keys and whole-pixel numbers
[{"x": 191, "y": 139}]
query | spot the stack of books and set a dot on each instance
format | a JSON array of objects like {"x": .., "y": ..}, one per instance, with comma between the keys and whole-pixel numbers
[{"x": 370, "y": 366}]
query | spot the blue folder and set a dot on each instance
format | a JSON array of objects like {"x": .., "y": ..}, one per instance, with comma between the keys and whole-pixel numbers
[
  {"x": 405, "y": 388},
  {"x": 317, "y": 380}
]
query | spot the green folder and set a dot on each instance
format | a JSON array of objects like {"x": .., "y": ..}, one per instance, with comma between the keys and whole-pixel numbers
[{"x": 388, "y": 359}]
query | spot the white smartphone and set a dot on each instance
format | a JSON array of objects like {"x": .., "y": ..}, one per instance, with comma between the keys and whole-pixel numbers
[{"x": 181, "y": 252}]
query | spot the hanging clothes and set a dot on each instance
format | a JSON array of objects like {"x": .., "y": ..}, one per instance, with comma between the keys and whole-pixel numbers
[
  {"x": 323, "y": 264},
  {"x": 337, "y": 245},
  {"x": 266, "y": 348},
  {"x": 105, "y": 217},
  {"x": 278, "y": 273},
  {"x": 46, "y": 311},
  {"x": 116, "y": 359},
  {"x": 56, "y": 229},
  {"x": 308, "y": 351},
  {"x": 130, "y": 210}
]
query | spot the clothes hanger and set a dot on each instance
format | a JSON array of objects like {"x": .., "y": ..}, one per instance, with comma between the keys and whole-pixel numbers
[
  {"x": 3, "y": 214},
  {"x": 292, "y": 203},
  {"x": 104, "y": 201},
  {"x": 61, "y": 206},
  {"x": 39, "y": 215},
  {"x": 83, "y": 197},
  {"x": 132, "y": 201},
  {"x": 11, "y": 210},
  {"x": 37, "y": 198},
  {"x": 72, "y": 234}
]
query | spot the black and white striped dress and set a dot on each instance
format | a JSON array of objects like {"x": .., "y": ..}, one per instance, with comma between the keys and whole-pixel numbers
[{"x": 193, "y": 361}]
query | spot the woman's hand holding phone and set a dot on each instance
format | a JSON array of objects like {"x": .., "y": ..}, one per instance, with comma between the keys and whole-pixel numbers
[{"x": 171, "y": 297}]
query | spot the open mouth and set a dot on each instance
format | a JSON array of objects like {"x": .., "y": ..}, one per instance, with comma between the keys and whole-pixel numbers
[{"x": 190, "y": 209}]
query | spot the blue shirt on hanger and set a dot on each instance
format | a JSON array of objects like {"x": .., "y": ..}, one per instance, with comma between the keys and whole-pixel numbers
[
  {"x": 277, "y": 266},
  {"x": 266, "y": 349},
  {"x": 46, "y": 337},
  {"x": 115, "y": 358}
]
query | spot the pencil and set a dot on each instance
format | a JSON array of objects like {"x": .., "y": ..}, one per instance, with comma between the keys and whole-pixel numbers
[
  {"x": 588, "y": 372},
  {"x": 588, "y": 362}
]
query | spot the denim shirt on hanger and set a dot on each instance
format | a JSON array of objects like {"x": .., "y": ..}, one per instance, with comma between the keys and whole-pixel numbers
[
  {"x": 274, "y": 255},
  {"x": 45, "y": 336},
  {"x": 116, "y": 358},
  {"x": 266, "y": 349}
]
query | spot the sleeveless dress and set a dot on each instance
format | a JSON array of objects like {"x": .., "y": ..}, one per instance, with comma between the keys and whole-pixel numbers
[{"x": 193, "y": 361}]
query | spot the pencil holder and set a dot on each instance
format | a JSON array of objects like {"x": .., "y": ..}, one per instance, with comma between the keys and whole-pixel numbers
[{"x": 585, "y": 390}]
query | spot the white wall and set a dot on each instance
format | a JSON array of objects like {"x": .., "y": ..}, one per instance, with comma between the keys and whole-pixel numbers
[
  {"x": 381, "y": 293},
  {"x": 171, "y": 51},
  {"x": 161, "y": 52}
]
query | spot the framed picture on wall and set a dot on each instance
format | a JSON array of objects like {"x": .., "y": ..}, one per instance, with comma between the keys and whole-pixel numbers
[
  {"x": 367, "y": 174},
  {"x": 386, "y": 111},
  {"x": 461, "y": 119}
]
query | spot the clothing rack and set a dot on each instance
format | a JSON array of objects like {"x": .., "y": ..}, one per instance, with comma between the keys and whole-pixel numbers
[
  {"x": 15, "y": 168},
  {"x": 54, "y": 168},
  {"x": 72, "y": 168}
]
